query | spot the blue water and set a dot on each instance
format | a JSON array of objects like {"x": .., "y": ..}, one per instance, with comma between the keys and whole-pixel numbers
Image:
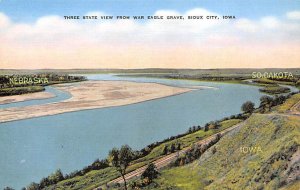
[
  {"x": 34, "y": 148},
  {"x": 59, "y": 96}
]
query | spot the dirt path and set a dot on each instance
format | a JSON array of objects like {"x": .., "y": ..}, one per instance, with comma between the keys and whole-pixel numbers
[{"x": 295, "y": 109}]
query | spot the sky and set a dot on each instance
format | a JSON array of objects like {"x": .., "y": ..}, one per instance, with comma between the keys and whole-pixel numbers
[{"x": 35, "y": 35}]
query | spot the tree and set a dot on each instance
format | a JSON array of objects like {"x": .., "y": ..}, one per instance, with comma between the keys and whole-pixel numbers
[
  {"x": 33, "y": 186},
  {"x": 57, "y": 176},
  {"x": 120, "y": 159},
  {"x": 248, "y": 107},
  {"x": 178, "y": 146},
  {"x": 172, "y": 149},
  {"x": 99, "y": 164},
  {"x": 44, "y": 182},
  {"x": 279, "y": 99},
  {"x": 165, "y": 151},
  {"x": 214, "y": 125},
  {"x": 206, "y": 127},
  {"x": 150, "y": 172},
  {"x": 265, "y": 102},
  {"x": 194, "y": 128}
]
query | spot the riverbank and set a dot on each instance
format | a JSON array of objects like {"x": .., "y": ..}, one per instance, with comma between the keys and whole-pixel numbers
[
  {"x": 25, "y": 97},
  {"x": 17, "y": 84},
  {"x": 232, "y": 78},
  {"x": 92, "y": 95}
]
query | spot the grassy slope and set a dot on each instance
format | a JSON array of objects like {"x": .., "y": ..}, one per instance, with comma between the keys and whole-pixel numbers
[
  {"x": 288, "y": 104},
  {"x": 229, "y": 168},
  {"x": 100, "y": 177},
  {"x": 293, "y": 186},
  {"x": 187, "y": 140}
]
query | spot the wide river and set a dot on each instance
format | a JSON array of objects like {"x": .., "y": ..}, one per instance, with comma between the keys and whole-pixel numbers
[{"x": 33, "y": 148}]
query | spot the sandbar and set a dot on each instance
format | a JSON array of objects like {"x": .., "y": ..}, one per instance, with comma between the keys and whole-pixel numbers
[
  {"x": 25, "y": 97},
  {"x": 92, "y": 95}
]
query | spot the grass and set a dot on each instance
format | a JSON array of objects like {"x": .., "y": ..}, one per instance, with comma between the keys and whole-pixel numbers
[
  {"x": 186, "y": 140},
  {"x": 275, "y": 89},
  {"x": 89, "y": 181},
  {"x": 229, "y": 168},
  {"x": 97, "y": 178},
  {"x": 288, "y": 103},
  {"x": 293, "y": 186},
  {"x": 184, "y": 178},
  {"x": 20, "y": 90},
  {"x": 264, "y": 81}
]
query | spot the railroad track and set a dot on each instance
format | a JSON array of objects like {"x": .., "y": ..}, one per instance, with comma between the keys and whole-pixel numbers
[{"x": 166, "y": 160}]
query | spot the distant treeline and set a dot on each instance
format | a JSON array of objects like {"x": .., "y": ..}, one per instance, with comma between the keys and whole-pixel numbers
[
  {"x": 208, "y": 78},
  {"x": 205, "y": 77},
  {"x": 220, "y": 77},
  {"x": 6, "y": 81},
  {"x": 23, "y": 84},
  {"x": 275, "y": 90},
  {"x": 20, "y": 90},
  {"x": 231, "y": 71}
]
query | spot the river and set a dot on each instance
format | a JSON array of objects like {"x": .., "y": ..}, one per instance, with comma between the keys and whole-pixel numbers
[{"x": 34, "y": 148}]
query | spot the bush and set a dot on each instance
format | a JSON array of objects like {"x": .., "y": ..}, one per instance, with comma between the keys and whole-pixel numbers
[
  {"x": 248, "y": 107},
  {"x": 150, "y": 172},
  {"x": 195, "y": 152}
]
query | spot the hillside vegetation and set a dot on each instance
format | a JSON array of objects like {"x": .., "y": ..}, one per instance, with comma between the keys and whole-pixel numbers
[
  {"x": 289, "y": 103},
  {"x": 273, "y": 164}
]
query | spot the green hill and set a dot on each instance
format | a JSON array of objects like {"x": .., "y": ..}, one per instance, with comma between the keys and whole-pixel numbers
[{"x": 263, "y": 153}]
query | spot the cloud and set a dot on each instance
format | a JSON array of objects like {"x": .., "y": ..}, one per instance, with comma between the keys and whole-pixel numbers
[
  {"x": 246, "y": 25},
  {"x": 270, "y": 22},
  {"x": 57, "y": 42},
  {"x": 4, "y": 21},
  {"x": 294, "y": 15},
  {"x": 53, "y": 30}
]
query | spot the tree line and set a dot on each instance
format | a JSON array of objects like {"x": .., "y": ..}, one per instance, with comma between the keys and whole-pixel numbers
[
  {"x": 266, "y": 103},
  {"x": 52, "y": 78},
  {"x": 195, "y": 152}
]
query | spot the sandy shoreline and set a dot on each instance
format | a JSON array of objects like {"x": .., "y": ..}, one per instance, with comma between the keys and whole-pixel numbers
[
  {"x": 25, "y": 97},
  {"x": 94, "y": 94}
]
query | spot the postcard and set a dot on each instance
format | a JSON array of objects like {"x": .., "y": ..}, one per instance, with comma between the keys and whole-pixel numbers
[{"x": 140, "y": 94}]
